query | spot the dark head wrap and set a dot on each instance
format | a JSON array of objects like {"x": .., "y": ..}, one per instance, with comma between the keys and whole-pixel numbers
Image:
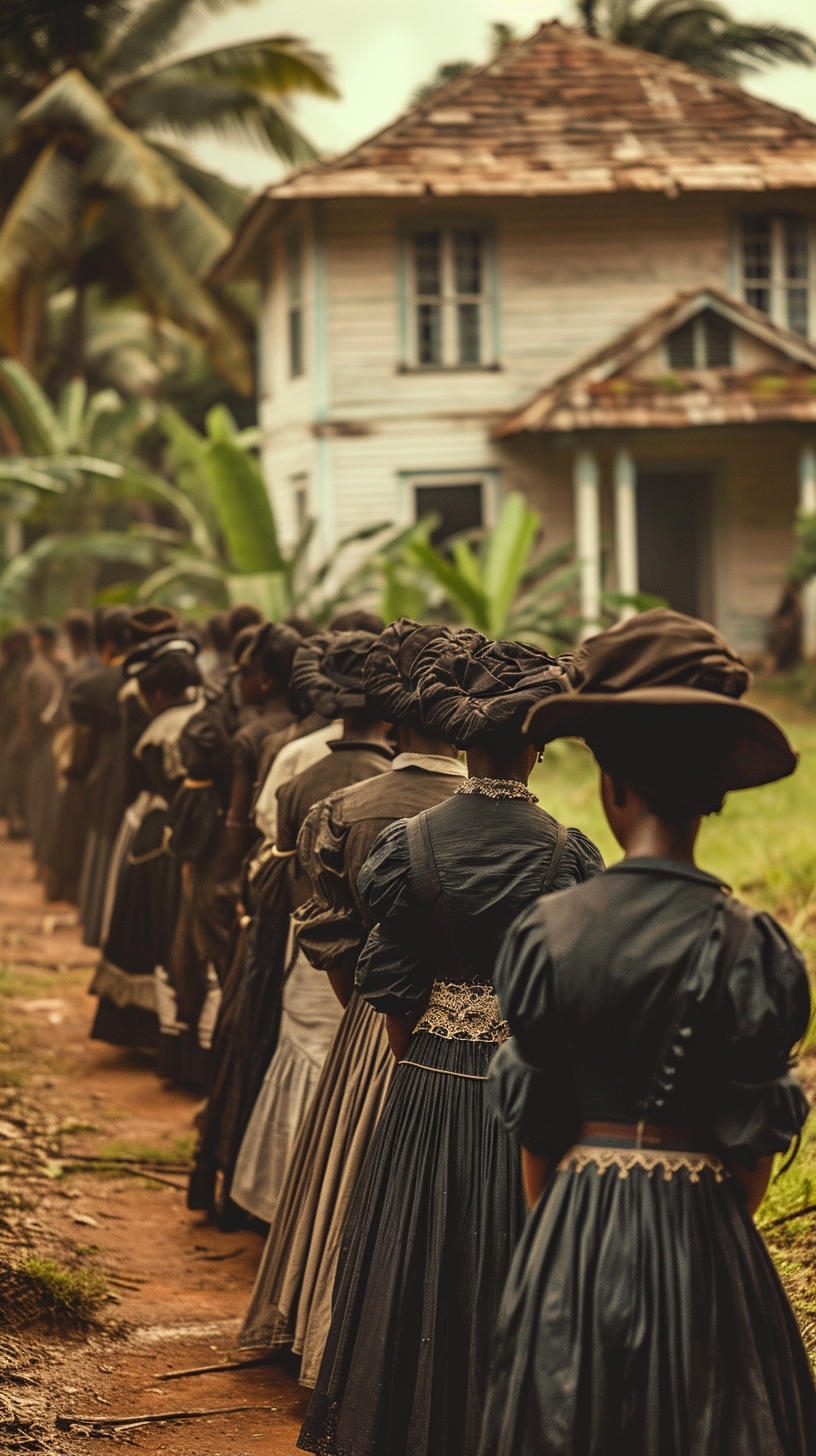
[
  {"x": 397, "y": 661},
  {"x": 660, "y": 648},
  {"x": 328, "y": 672},
  {"x": 480, "y": 693},
  {"x": 150, "y": 652},
  {"x": 666, "y": 679},
  {"x": 149, "y": 622}
]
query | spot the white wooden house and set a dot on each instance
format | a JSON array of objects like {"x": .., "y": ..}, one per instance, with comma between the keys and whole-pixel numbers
[{"x": 580, "y": 271}]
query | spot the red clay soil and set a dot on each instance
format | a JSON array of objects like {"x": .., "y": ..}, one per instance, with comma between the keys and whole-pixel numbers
[{"x": 180, "y": 1287}]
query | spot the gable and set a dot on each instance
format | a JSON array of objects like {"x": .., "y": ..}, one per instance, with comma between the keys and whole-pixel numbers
[{"x": 704, "y": 358}]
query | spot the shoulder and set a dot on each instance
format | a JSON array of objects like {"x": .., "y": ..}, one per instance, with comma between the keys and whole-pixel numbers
[{"x": 386, "y": 871}]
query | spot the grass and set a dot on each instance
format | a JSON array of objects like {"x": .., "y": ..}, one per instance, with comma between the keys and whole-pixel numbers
[
  {"x": 43, "y": 1292},
  {"x": 152, "y": 1154},
  {"x": 764, "y": 846}
]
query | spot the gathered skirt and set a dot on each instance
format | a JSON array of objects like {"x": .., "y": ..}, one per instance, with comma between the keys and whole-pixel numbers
[
  {"x": 426, "y": 1249},
  {"x": 292, "y": 1298},
  {"x": 309, "y": 1019},
  {"x": 643, "y": 1315}
]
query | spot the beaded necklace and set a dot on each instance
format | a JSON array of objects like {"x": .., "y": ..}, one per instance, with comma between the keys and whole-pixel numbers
[{"x": 497, "y": 789}]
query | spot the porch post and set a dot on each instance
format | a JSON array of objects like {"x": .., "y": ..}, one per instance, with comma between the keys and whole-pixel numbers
[
  {"x": 626, "y": 546},
  {"x": 807, "y": 502},
  {"x": 588, "y": 537}
]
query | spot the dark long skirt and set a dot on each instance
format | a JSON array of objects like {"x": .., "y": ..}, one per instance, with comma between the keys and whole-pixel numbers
[
  {"x": 644, "y": 1316},
  {"x": 141, "y": 930},
  {"x": 428, "y": 1243}
]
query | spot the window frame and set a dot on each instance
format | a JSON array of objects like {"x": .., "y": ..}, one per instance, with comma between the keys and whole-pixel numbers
[
  {"x": 449, "y": 300},
  {"x": 488, "y": 476},
  {"x": 700, "y": 342},
  {"x": 294, "y": 247},
  {"x": 779, "y": 285}
]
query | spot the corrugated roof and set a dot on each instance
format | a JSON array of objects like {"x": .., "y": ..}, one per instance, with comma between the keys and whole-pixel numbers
[
  {"x": 605, "y": 393},
  {"x": 564, "y": 113}
]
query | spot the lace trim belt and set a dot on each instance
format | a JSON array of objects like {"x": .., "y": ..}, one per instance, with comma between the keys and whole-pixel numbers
[
  {"x": 589, "y": 1153},
  {"x": 464, "y": 1011}
]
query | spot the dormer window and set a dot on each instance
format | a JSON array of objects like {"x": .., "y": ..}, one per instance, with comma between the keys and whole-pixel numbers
[
  {"x": 705, "y": 342},
  {"x": 776, "y": 271},
  {"x": 450, "y": 308}
]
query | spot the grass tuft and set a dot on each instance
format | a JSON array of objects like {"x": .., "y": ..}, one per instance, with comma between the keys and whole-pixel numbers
[{"x": 43, "y": 1292}]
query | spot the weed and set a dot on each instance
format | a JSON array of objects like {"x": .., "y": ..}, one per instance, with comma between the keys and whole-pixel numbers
[{"x": 41, "y": 1291}]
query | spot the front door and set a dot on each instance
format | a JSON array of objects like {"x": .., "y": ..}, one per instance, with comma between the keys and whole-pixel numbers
[{"x": 674, "y": 537}]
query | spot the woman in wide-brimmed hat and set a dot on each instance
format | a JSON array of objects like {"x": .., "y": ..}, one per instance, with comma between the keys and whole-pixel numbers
[
  {"x": 438, "y": 1206},
  {"x": 653, "y": 1018}
]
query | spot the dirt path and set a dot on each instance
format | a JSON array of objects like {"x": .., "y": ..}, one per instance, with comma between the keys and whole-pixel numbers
[{"x": 178, "y": 1286}]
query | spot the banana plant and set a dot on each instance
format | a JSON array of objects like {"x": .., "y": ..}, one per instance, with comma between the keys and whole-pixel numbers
[{"x": 242, "y": 558}]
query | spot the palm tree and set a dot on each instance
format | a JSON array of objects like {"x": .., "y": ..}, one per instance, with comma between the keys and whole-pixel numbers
[
  {"x": 702, "y": 33},
  {"x": 98, "y": 101}
]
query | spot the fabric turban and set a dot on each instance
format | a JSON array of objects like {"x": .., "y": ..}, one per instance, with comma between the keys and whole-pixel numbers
[
  {"x": 659, "y": 649},
  {"x": 399, "y": 658},
  {"x": 328, "y": 672},
  {"x": 481, "y": 693}
]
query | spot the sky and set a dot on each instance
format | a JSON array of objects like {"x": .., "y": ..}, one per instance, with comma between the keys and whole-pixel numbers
[{"x": 382, "y": 49}]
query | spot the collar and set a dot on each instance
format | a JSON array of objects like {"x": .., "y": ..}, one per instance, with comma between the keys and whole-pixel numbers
[
  {"x": 360, "y": 745},
  {"x": 678, "y": 868},
  {"x": 432, "y": 763}
]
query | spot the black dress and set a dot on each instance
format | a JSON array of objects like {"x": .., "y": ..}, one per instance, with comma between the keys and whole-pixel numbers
[
  {"x": 642, "y": 1314},
  {"x": 438, "y": 1207}
]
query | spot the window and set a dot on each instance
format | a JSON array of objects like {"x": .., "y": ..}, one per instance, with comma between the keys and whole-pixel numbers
[
  {"x": 294, "y": 280},
  {"x": 776, "y": 271},
  {"x": 300, "y": 501},
  {"x": 459, "y": 508},
  {"x": 705, "y": 342},
  {"x": 449, "y": 298}
]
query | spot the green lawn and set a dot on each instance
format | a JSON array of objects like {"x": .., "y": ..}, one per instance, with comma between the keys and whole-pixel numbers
[{"x": 763, "y": 844}]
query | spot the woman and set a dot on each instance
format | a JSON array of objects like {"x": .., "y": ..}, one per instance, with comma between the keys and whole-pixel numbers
[
  {"x": 328, "y": 674},
  {"x": 654, "y": 1017},
  {"x": 437, "y": 1210},
  {"x": 291, "y": 1301},
  {"x": 130, "y": 981}
]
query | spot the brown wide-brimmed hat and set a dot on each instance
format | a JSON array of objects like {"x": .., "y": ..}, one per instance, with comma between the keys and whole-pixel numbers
[{"x": 663, "y": 671}]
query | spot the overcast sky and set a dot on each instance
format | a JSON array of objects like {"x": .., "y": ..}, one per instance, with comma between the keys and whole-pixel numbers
[{"x": 382, "y": 49}]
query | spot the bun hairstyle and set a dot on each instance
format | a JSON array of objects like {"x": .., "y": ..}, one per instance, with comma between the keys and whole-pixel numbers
[
  {"x": 478, "y": 693},
  {"x": 328, "y": 674},
  {"x": 398, "y": 659},
  {"x": 275, "y": 645},
  {"x": 147, "y": 623}
]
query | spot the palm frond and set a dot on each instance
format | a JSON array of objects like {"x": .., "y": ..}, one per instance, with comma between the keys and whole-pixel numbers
[
  {"x": 118, "y": 158},
  {"x": 143, "y": 484},
  {"x": 29, "y": 409},
  {"x": 172, "y": 290},
  {"x": 71, "y": 408},
  {"x": 17, "y": 471},
  {"x": 195, "y": 232},
  {"x": 186, "y": 568},
  {"x": 40, "y": 224},
  {"x": 230, "y": 110},
  {"x": 276, "y": 65},
  {"x": 702, "y": 34},
  {"x": 152, "y": 29},
  {"x": 242, "y": 503},
  {"x": 225, "y": 200},
  {"x": 107, "y": 546}
]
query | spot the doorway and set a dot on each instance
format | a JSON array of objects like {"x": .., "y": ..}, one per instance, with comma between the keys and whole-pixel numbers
[{"x": 674, "y": 511}]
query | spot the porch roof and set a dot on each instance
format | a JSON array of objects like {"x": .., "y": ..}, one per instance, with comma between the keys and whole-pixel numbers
[{"x": 606, "y": 392}]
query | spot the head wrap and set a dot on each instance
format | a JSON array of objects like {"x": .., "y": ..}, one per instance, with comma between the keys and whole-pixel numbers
[
  {"x": 328, "y": 672},
  {"x": 480, "y": 693},
  {"x": 397, "y": 661},
  {"x": 149, "y": 622},
  {"x": 660, "y": 648},
  {"x": 147, "y": 653}
]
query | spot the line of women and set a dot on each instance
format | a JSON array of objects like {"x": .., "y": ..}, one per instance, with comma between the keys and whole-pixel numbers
[
  {"x": 504, "y": 1114},
  {"x": 611, "y": 1048}
]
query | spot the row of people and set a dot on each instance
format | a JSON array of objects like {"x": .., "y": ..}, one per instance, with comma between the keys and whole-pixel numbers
[
  {"x": 637, "y": 1058},
  {"x": 312, "y": 903}
]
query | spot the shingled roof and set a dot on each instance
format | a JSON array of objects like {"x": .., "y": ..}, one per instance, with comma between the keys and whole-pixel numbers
[
  {"x": 563, "y": 112},
  {"x": 606, "y": 391}
]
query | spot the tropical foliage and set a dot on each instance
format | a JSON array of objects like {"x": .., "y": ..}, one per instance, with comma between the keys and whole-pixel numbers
[
  {"x": 703, "y": 33},
  {"x": 98, "y": 101},
  {"x": 501, "y": 35}
]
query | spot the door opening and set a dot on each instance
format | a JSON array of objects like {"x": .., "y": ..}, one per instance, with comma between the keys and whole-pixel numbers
[{"x": 674, "y": 537}]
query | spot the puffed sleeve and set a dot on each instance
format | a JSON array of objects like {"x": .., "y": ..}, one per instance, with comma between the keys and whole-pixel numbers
[
  {"x": 329, "y": 927},
  {"x": 393, "y": 972},
  {"x": 764, "y": 1011},
  {"x": 196, "y": 812},
  {"x": 528, "y": 1084}
]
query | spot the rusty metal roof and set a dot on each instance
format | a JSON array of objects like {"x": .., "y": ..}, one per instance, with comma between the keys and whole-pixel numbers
[
  {"x": 562, "y": 113},
  {"x": 606, "y": 392}
]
